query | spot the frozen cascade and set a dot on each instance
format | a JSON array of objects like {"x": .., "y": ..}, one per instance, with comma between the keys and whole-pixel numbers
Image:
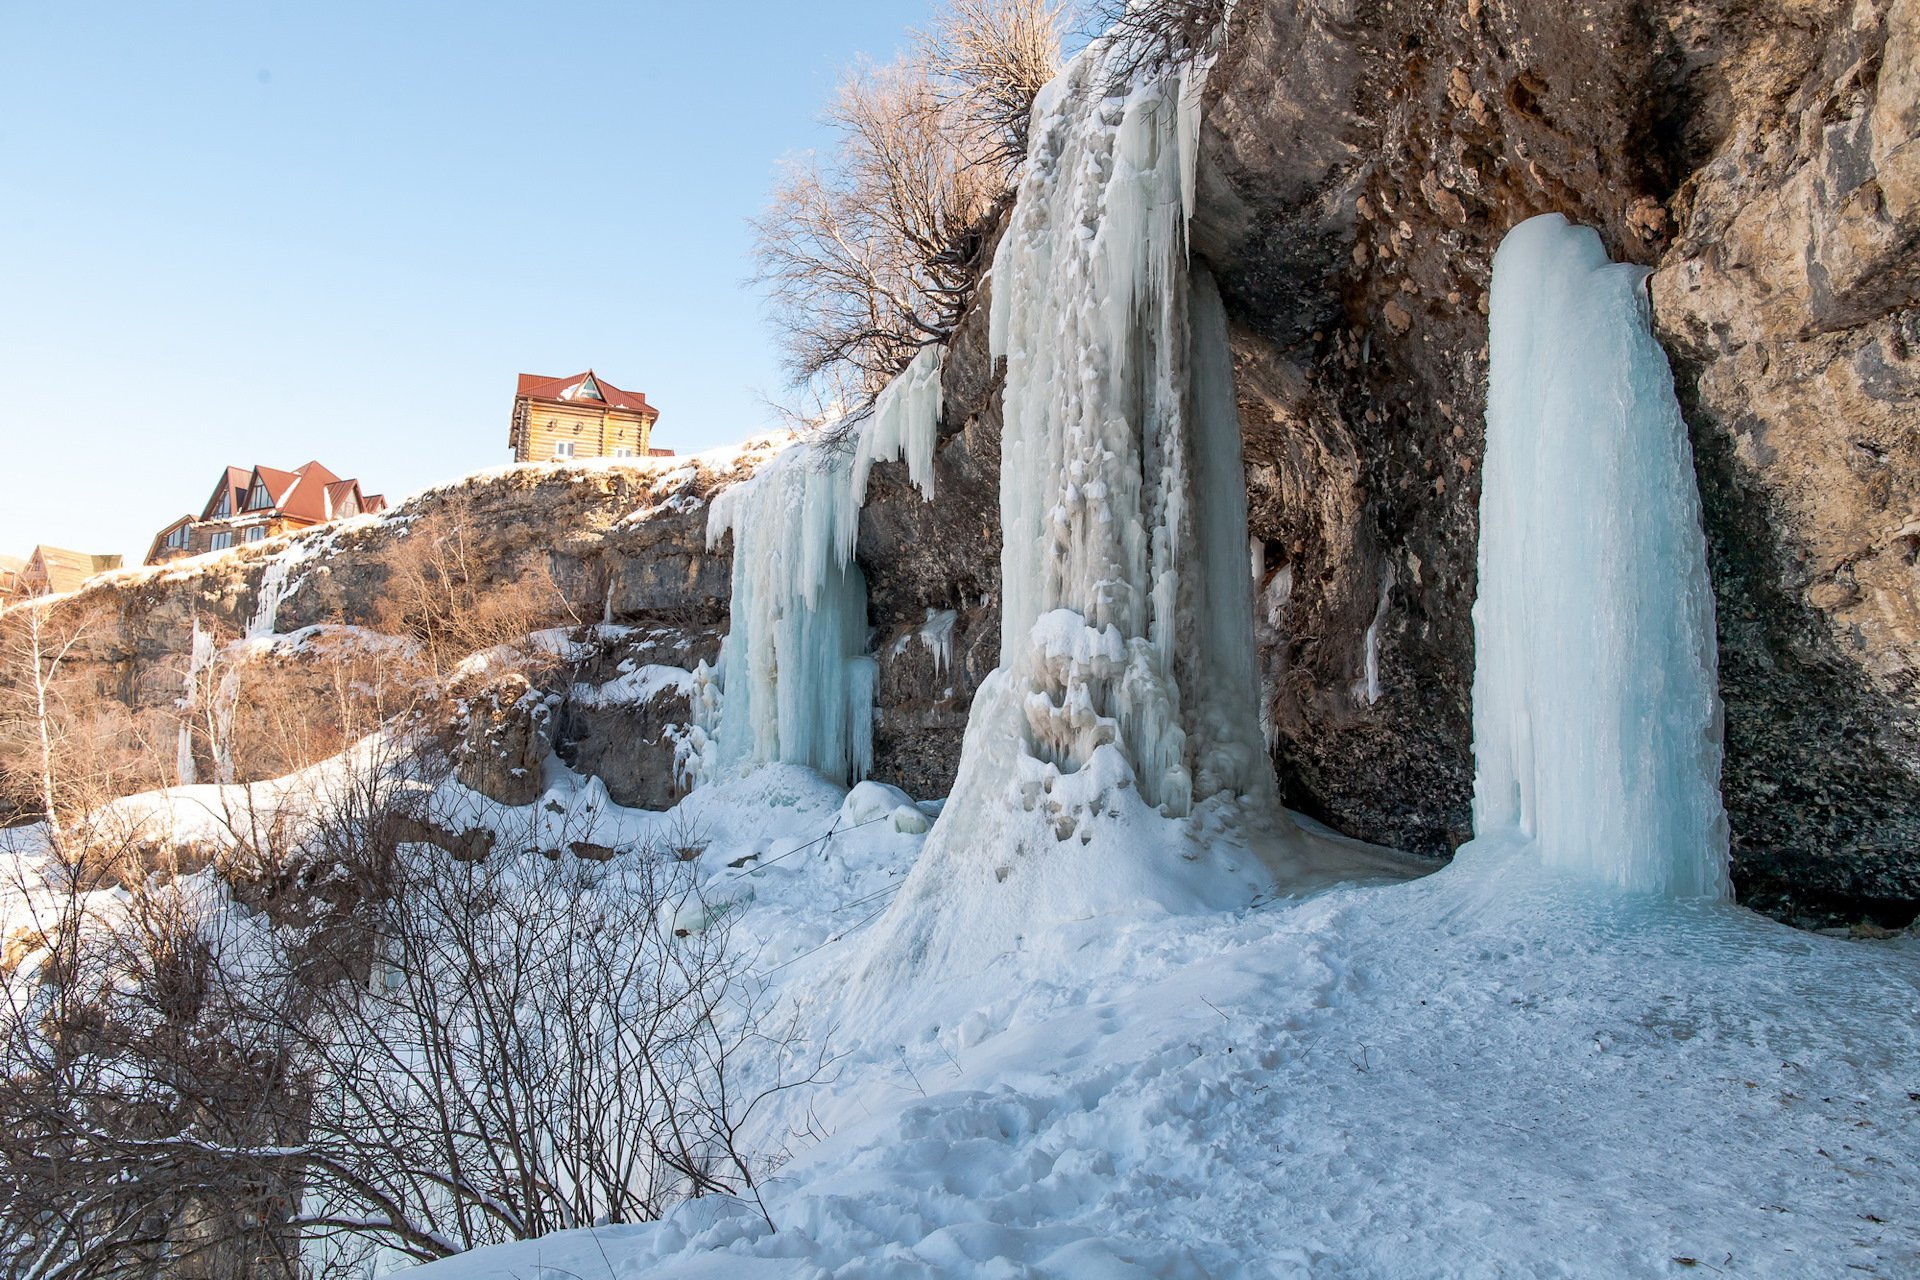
[
  {"x": 798, "y": 686},
  {"x": 198, "y": 656},
  {"x": 1126, "y": 695},
  {"x": 1596, "y": 713},
  {"x": 273, "y": 589}
]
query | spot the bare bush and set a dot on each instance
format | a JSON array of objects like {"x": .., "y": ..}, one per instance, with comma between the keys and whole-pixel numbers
[
  {"x": 441, "y": 592},
  {"x": 1157, "y": 36},
  {"x": 358, "y": 1028}
]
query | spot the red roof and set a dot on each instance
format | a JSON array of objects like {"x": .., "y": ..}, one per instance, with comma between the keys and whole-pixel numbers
[
  {"x": 579, "y": 389},
  {"x": 233, "y": 483},
  {"x": 309, "y": 492}
]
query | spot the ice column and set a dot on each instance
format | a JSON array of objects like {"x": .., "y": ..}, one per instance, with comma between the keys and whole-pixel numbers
[
  {"x": 1126, "y": 700},
  {"x": 1128, "y": 609},
  {"x": 798, "y": 686},
  {"x": 198, "y": 656},
  {"x": 1596, "y": 714}
]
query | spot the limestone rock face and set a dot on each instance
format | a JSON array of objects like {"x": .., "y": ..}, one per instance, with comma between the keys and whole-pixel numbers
[
  {"x": 1789, "y": 302},
  {"x": 1360, "y": 164},
  {"x": 622, "y": 716},
  {"x": 926, "y": 559},
  {"x": 504, "y": 735},
  {"x": 378, "y": 614}
]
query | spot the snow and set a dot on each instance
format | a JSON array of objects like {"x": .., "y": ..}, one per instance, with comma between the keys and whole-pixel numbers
[
  {"x": 1596, "y": 718},
  {"x": 1490, "y": 1071},
  {"x": 635, "y": 688}
]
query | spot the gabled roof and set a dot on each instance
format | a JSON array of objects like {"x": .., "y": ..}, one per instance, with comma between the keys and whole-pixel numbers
[
  {"x": 305, "y": 494},
  {"x": 65, "y": 570},
  {"x": 308, "y": 492},
  {"x": 582, "y": 388},
  {"x": 233, "y": 482},
  {"x": 153, "y": 548}
]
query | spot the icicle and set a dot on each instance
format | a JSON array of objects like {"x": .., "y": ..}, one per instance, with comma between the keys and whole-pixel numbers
[
  {"x": 273, "y": 590},
  {"x": 198, "y": 656},
  {"x": 798, "y": 686},
  {"x": 1596, "y": 713},
  {"x": 905, "y": 423},
  {"x": 937, "y": 635}
]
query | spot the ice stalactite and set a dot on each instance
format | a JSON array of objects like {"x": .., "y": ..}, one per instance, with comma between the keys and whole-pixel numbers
[
  {"x": 796, "y": 683},
  {"x": 905, "y": 423},
  {"x": 1126, "y": 697},
  {"x": 198, "y": 656},
  {"x": 275, "y": 587},
  {"x": 1596, "y": 713},
  {"x": 798, "y": 686}
]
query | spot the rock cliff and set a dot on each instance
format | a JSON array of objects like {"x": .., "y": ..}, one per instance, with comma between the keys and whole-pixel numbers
[
  {"x": 1360, "y": 163},
  {"x": 1361, "y": 160}
]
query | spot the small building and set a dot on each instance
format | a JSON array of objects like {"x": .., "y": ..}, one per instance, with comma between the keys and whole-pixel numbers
[
  {"x": 252, "y": 505},
  {"x": 54, "y": 571},
  {"x": 583, "y": 416},
  {"x": 11, "y": 569}
]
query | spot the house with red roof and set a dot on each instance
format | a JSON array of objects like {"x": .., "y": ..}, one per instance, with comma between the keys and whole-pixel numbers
[
  {"x": 582, "y": 416},
  {"x": 254, "y": 504}
]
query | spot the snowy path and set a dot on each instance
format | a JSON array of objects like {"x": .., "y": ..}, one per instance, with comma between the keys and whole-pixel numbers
[{"x": 1415, "y": 1080}]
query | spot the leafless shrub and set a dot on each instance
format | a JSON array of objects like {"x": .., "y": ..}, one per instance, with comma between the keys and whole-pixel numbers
[
  {"x": 440, "y": 592},
  {"x": 410, "y": 1048}
]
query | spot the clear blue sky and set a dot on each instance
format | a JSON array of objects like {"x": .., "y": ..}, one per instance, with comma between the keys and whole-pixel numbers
[{"x": 336, "y": 229}]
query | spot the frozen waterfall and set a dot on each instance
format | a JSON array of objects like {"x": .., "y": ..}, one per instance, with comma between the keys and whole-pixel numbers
[
  {"x": 1596, "y": 714},
  {"x": 1115, "y": 756},
  {"x": 797, "y": 684}
]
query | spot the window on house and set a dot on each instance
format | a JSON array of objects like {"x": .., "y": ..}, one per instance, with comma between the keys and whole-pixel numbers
[
  {"x": 348, "y": 507},
  {"x": 257, "y": 499},
  {"x": 257, "y": 533},
  {"x": 623, "y": 452},
  {"x": 226, "y": 503},
  {"x": 178, "y": 538},
  {"x": 222, "y": 540},
  {"x": 563, "y": 448}
]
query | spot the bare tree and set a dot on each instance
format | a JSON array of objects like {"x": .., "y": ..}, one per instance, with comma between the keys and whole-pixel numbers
[
  {"x": 873, "y": 253},
  {"x": 1154, "y": 37}
]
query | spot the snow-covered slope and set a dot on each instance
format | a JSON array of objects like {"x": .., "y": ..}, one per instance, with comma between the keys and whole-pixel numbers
[{"x": 1416, "y": 1079}]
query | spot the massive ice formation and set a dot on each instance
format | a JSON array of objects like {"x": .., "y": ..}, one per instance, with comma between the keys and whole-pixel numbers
[
  {"x": 1596, "y": 716},
  {"x": 1126, "y": 692}
]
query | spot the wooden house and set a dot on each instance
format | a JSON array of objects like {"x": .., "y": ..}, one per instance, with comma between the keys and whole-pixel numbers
[
  {"x": 54, "y": 571},
  {"x": 252, "y": 505},
  {"x": 583, "y": 416},
  {"x": 11, "y": 569}
]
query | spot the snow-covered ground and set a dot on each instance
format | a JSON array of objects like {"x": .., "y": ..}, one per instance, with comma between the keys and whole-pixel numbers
[{"x": 1482, "y": 1072}]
